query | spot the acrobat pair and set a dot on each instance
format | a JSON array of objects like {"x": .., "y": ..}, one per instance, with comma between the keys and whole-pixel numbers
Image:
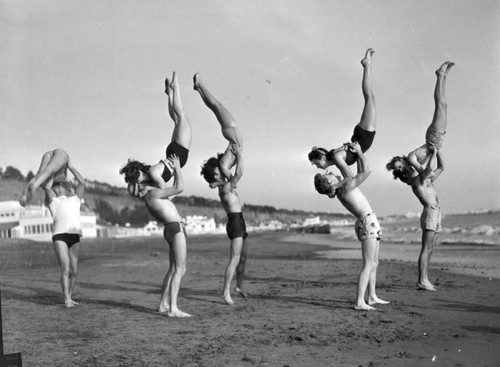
[
  {"x": 149, "y": 183},
  {"x": 367, "y": 226}
]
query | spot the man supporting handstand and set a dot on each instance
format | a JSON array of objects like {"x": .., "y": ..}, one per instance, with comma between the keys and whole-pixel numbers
[
  {"x": 367, "y": 227},
  {"x": 64, "y": 205},
  {"x": 216, "y": 172},
  {"x": 422, "y": 186}
]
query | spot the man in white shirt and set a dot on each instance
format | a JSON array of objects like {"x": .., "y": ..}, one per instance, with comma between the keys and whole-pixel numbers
[{"x": 64, "y": 204}]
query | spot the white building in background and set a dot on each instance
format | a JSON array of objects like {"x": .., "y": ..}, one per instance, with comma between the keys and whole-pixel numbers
[
  {"x": 198, "y": 224},
  {"x": 35, "y": 222}
]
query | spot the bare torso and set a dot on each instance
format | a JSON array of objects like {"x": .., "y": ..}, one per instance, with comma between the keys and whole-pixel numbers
[
  {"x": 424, "y": 190},
  {"x": 354, "y": 201},
  {"x": 229, "y": 199},
  {"x": 162, "y": 209}
]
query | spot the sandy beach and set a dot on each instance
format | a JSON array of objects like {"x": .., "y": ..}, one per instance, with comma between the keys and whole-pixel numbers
[{"x": 299, "y": 313}]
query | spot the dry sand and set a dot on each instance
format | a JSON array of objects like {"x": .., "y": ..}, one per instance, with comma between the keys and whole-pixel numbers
[{"x": 300, "y": 310}]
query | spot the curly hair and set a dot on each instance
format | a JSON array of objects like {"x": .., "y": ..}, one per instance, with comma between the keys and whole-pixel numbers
[
  {"x": 131, "y": 170},
  {"x": 208, "y": 168},
  {"x": 323, "y": 186},
  {"x": 397, "y": 175}
]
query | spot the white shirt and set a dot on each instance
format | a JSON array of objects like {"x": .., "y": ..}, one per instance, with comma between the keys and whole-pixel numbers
[{"x": 66, "y": 213}]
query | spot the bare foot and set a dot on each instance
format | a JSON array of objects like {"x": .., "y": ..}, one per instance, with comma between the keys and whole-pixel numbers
[
  {"x": 163, "y": 309},
  {"x": 368, "y": 57},
  {"x": 196, "y": 82},
  {"x": 70, "y": 303},
  {"x": 240, "y": 292},
  {"x": 167, "y": 86},
  {"x": 376, "y": 300},
  {"x": 364, "y": 307},
  {"x": 443, "y": 69},
  {"x": 26, "y": 195},
  {"x": 450, "y": 65},
  {"x": 174, "y": 83},
  {"x": 227, "y": 299},
  {"x": 178, "y": 313},
  {"x": 426, "y": 287}
]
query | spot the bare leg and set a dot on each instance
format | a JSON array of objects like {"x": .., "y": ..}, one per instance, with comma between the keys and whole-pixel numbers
[
  {"x": 53, "y": 164},
  {"x": 240, "y": 271},
  {"x": 372, "y": 296},
  {"x": 165, "y": 289},
  {"x": 226, "y": 120},
  {"x": 169, "y": 92},
  {"x": 428, "y": 238},
  {"x": 182, "y": 130},
  {"x": 369, "y": 116},
  {"x": 178, "y": 246},
  {"x": 369, "y": 251},
  {"x": 61, "y": 250},
  {"x": 73, "y": 253},
  {"x": 234, "y": 258},
  {"x": 439, "y": 120}
]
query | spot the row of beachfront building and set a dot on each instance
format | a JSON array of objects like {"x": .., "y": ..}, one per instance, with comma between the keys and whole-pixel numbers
[{"x": 35, "y": 223}]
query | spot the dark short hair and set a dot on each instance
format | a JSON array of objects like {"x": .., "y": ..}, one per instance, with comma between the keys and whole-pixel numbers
[
  {"x": 391, "y": 165},
  {"x": 322, "y": 185},
  {"x": 208, "y": 168},
  {"x": 131, "y": 170},
  {"x": 66, "y": 184},
  {"x": 316, "y": 153}
]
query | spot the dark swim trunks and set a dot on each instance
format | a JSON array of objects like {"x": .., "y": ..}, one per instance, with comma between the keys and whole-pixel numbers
[
  {"x": 236, "y": 226},
  {"x": 68, "y": 238},
  {"x": 179, "y": 151},
  {"x": 365, "y": 140},
  {"x": 171, "y": 229}
]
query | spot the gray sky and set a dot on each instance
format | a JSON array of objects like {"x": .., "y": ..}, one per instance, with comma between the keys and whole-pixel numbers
[{"x": 87, "y": 76}]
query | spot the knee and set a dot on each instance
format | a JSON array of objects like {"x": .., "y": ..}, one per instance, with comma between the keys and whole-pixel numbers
[
  {"x": 441, "y": 104},
  {"x": 181, "y": 269}
]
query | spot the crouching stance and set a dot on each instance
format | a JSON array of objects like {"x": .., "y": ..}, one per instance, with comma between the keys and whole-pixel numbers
[
  {"x": 367, "y": 227},
  {"x": 159, "y": 205},
  {"x": 64, "y": 204}
]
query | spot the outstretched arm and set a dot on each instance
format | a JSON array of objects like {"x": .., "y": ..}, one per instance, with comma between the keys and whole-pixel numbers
[
  {"x": 80, "y": 188},
  {"x": 236, "y": 149},
  {"x": 428, "y": 172},
  {"x": 49, "y": 194},
  {"x": 363, "y": 168},
  {"x": 440, "y": 166}
]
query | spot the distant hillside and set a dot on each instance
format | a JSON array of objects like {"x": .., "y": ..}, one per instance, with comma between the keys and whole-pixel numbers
[{"x": 115, "y": 205}]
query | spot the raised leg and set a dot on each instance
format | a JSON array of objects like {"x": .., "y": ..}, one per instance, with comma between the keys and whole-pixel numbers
[
  {"x": 227, "y": 123},
  {"x": 428, "y": 239},
  {"x": 369, "y": 116},
  {"x": 182, "y": 131},
  {"x": 439, "y": 120},
  {"x": 53, "y": 165},
  {"x": 234, "y": 258}
]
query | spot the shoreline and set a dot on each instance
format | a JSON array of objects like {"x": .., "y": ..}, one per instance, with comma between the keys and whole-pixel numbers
[{"x": 468, "y": 259}]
